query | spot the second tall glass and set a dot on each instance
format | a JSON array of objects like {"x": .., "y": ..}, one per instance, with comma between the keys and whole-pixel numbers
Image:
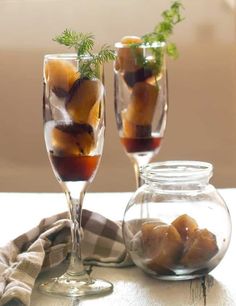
[{"x": 141, "y": 100}]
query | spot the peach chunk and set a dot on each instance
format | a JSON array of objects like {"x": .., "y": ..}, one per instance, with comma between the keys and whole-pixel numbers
[
  {"x": 127, "y": 57},
  {"x": 199, "y": 249},
  {"x": 84, "y": 97},
  {"x": 143, "y": 100},
  {"x": 64, "y": 143},
  {"x": 185, "y": 225},
  {"x": 162, "y": 246},
  {"x": 131, "y": 39},
  {"x": 148, "y": 235},
  {"x": 60, "y": 74},
  {"x": 73, "y": 142},
  {"x": 131, "y": 130},
  {"x": 94, "y": 114}
]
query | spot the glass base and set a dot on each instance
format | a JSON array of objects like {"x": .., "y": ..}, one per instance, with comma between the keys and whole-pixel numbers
[{"x": 73, "y": 287}]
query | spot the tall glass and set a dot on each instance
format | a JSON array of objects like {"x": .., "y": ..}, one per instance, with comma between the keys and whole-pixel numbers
[
  {"x": 74, "y": 115},
  {"x": 141, "y": 101}
]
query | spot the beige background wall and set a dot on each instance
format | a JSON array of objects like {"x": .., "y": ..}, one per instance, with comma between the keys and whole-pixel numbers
[{"x": 201, "y": 123}]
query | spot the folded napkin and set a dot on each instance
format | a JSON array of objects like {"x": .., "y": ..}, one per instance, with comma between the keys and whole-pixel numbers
[{"x": 48, "y": 244}]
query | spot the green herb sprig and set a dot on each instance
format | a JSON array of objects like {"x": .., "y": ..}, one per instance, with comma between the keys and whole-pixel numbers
[
  {"x": 83, "y": 45},
  {"x": 164, "y": 29},
  {"x": 160, "y": 34}
]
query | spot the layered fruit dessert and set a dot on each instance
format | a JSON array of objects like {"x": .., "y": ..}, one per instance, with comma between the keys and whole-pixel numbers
[
  {"x": 137, "y": 89},
  {"x": 73, "y": 119},
  {"x": 140, "y": 83}
]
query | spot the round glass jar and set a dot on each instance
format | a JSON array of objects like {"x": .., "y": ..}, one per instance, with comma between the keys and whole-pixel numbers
[{"x": 177, "y": 226}]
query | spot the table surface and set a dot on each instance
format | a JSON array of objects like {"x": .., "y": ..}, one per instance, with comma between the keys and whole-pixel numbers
[{"x": 19, "y": 212}]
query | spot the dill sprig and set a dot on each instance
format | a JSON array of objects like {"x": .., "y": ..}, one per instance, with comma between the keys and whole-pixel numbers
[
  {"x": 90, "y": 68},
  {"x": 164, "y": 29},
  {"x": 83, "y": 44},
  {"x": 106, "y": 54},
  {"x": 160, "y": 34}
]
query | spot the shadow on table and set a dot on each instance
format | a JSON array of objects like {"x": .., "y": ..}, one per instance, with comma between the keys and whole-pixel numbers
[{"x": 134, "y": 288}]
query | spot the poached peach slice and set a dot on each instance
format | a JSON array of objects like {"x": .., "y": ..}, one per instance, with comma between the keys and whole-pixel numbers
[
  {"x": 60, "y": 74},
  {"x": 86, "y": 94},
  {"x": 199, "y": 248},
  {"x": 132, "y": 130},
  {"x": 162, "y": 245},
  {"x": 127, "y": 56},
  {"x": 73, "y": 143},
  {"x": 185, "y": 225},
  {"x": 142, "y": 104}
]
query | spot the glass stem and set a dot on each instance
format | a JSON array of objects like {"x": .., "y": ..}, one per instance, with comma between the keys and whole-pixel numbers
[
  {"x": 139, "y": 182},
  {"x": 138, "y": 162},
  {"x": 76, "y": 267},
  {"x": 137, "y": 174}
]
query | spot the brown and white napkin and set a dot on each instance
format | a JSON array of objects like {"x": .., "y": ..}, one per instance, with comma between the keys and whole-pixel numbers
[{"x": 48, "y": 244}]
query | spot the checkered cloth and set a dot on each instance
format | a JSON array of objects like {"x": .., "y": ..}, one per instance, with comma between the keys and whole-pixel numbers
[{"x": 48, "y": 244}]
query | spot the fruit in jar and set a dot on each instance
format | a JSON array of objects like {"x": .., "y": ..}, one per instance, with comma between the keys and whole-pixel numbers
[
  {"x": 84, "y": 96},
  {"x": 185, "y": 225},
  {"x": 60, "y": 75},
  {"x": 180, "y": 244},
  {"x": 147, "y": 229},
  {"x": 199, "y": 248},
  {"x": 162, "y": 246}
]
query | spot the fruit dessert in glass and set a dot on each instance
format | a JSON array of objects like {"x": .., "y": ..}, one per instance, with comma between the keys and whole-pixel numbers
[
  {"x": 74, "y": 126},
  {"x": 141, "y": 93},
  {"x": 141, "y": 99}
]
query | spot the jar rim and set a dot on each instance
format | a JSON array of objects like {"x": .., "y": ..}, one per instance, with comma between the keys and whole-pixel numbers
[{"x": 176, "y": 171}]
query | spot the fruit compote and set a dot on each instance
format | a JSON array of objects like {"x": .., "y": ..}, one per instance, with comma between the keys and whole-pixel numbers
[
  {"x": 140, "y": 110},
  {"x": 74, "y": 125}
]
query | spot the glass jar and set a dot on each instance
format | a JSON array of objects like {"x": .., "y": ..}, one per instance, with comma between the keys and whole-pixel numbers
[{"x": 177, "y": 226}]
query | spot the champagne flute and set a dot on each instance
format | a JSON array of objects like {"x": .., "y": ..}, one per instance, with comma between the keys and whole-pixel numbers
[
  {"x": 74, "y": 124},
  {"x": 141, "y": 100}
]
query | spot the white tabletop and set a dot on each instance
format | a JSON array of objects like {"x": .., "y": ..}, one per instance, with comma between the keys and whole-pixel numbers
[{"x": 21, "y": 211}]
